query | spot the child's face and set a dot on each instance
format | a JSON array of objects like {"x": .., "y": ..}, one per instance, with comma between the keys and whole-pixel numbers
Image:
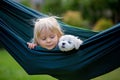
[{"x": 47, "y": 39}]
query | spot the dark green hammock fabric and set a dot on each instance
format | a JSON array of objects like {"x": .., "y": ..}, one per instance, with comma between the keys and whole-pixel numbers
[{"x": 99, "y": 54}]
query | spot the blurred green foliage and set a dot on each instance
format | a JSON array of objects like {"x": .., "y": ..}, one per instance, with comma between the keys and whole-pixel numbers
[
  {"x": 75, "y": 18},
  {"x": 26, "y": 3},
  {"x": 90, "y": 10},
  {"x": 102, "y": 24}
]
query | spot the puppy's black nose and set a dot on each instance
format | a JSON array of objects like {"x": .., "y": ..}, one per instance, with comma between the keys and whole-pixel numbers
[{"x": 63, "y": 43}]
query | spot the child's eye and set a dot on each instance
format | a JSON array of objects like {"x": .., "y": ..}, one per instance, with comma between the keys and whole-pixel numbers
[
  {"x": 43, "y": 38},
  {"x": 52, "y": 37}
]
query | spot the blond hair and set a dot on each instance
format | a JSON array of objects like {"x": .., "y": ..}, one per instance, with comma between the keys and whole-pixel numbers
[{"x": 48, "y": 23}]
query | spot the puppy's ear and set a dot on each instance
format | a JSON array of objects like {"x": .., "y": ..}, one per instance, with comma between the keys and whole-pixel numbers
[{"x": 78, "y": 42}]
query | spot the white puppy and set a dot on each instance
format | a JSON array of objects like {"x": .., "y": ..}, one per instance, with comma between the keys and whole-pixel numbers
[{"x": 69, "y": 42}]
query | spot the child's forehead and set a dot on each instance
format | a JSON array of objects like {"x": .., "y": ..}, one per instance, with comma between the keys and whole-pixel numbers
[
  {"x": 46, "y": 34},
  {"x": 47, "y": 31}
]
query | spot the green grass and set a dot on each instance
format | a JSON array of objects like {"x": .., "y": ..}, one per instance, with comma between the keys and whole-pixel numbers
[{"x": 11, "y": 70}]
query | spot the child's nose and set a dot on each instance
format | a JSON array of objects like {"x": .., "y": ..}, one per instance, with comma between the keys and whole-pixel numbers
[{"x": 48, "y": 39}]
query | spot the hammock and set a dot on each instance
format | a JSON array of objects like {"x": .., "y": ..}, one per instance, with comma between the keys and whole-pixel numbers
[{"x": 98, "y": 54}]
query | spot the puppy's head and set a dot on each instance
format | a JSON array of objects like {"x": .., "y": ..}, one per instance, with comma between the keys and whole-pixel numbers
[{"x": 69, "y": 42}]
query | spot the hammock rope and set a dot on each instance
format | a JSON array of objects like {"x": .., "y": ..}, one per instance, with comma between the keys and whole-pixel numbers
[{"x": 98, "y": 54}]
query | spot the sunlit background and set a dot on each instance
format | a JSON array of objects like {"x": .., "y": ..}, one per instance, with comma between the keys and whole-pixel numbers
[{"x": 96, "y": 15}]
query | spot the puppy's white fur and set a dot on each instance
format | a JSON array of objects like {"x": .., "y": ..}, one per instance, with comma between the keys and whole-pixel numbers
[{"x": 69, "y": 42}]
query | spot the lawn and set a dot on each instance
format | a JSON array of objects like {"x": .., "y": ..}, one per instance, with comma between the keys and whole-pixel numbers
[{"x": 11, "y": 70}]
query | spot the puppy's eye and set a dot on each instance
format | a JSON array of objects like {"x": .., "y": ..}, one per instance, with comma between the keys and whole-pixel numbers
[{"x": 69, "y": 42}]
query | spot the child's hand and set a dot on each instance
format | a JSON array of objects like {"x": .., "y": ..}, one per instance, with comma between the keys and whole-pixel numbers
[{"x": 31, "y": 45}]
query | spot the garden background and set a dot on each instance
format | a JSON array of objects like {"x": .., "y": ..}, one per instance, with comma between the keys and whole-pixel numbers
[{"x": 96, "y": 15}]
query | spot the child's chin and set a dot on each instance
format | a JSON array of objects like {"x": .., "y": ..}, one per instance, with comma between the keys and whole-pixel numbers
[{"x": 49, "y": 48}]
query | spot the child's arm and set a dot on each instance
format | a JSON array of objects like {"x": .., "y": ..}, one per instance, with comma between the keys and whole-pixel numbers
[{"x": 31, "y": 45}]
